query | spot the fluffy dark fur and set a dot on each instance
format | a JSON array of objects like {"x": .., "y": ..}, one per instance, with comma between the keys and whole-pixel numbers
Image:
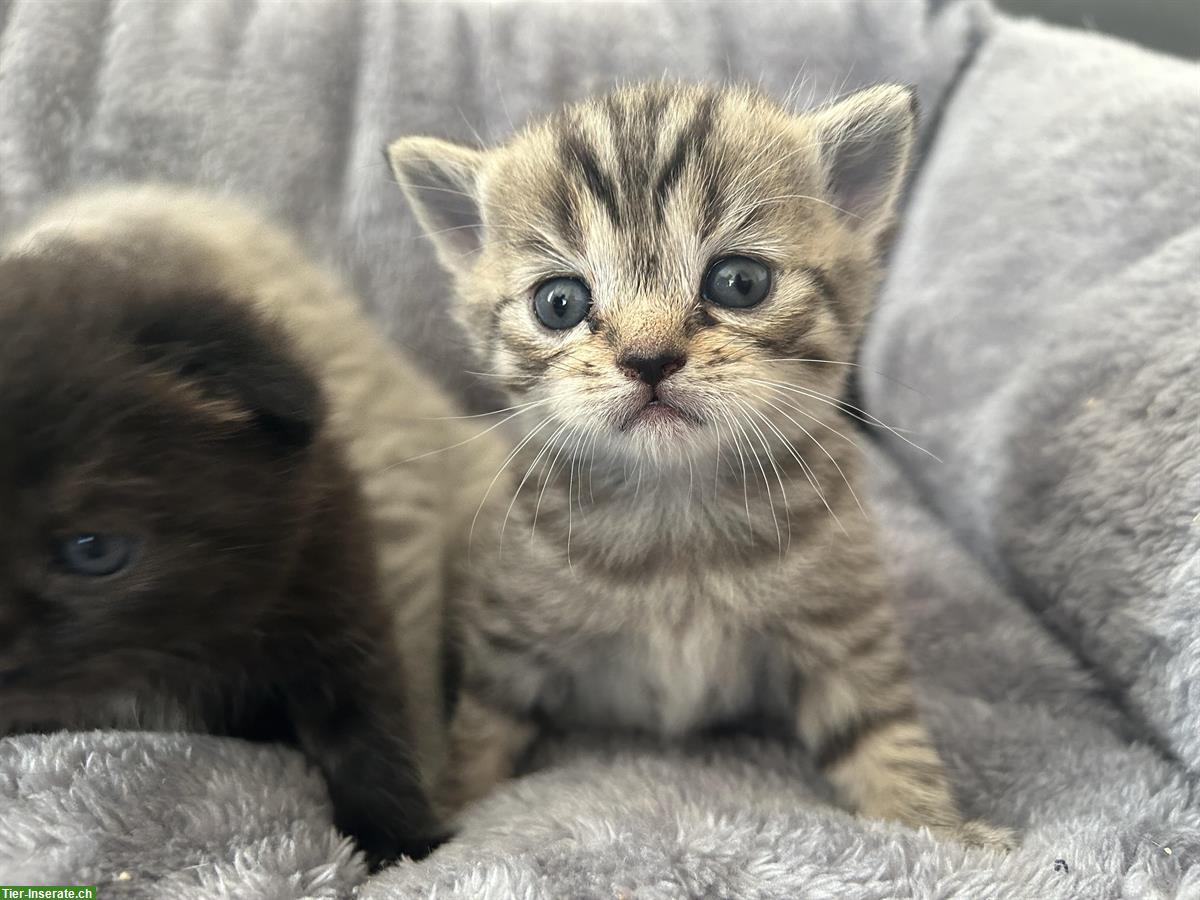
[{"x": 185, "y": 427}]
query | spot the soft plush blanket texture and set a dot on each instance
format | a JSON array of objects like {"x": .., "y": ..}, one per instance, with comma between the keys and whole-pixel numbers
[{"x": 1039, "y": 332}]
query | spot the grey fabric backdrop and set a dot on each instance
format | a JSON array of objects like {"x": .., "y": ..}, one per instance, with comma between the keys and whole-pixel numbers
[
  {"x": 1042, "y": 310},
  {"x": 291, "y": 103},
  {"x": 1060, "y": 378}
]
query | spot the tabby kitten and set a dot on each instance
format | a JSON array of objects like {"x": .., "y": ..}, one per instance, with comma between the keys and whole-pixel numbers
[{"x": 667, "y": 279}]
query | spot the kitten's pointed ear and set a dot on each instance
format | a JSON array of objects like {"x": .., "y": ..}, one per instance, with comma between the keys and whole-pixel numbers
[
  {"x": 440, "y": 180},
  {"x": 866, "y": 142},
  {"x": 237, "y": 368}
]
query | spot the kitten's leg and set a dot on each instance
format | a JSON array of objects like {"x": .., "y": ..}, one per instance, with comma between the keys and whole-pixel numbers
[
  {"x": 359, "y": 736},
  {"x": 486, "y": 745},
  {"x": 859, "y": 718}
]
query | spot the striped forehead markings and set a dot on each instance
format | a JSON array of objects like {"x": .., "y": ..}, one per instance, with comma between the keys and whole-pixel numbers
[
  {"x": 579, "y": 159},
  {"x": 635, "y": 133},
  {"x": 689, "y": 144}
]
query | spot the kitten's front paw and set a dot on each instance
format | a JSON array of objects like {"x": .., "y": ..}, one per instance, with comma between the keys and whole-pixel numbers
[
  {"x": 975, "y": 833},
  {"x": 383, "y": 851}
]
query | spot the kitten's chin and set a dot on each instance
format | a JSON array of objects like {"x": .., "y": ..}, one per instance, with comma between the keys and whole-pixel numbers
[
  {"x": 660, "y": 416},
  {"x": 663, "y": 432}
]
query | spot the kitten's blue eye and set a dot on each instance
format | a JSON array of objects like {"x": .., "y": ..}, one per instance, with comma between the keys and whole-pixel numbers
[
  {"x": 95, "y": 555},
  {"x": 736, "y": 281},
  {"x": 562, "y": 303}
]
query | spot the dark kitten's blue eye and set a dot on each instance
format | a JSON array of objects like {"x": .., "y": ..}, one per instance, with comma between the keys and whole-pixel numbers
[
  {"x": 736, "y": 281},
  {"x": 95, "y": 555},
  {"x": 562, "y": 303}
]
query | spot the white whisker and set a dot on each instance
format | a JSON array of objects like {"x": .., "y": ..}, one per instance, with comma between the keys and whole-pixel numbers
[
  {"x": 781, "y": 197},
  {"x": 808, "y": 471},
  {"x": 766, "y": 446},
  {"x": 549, "y": 476},
  {"x": 745, "y": 479},
  {"x": 473, "y": 437},
  {"x": 784, "y": 397},
  {"x": 528, "y": 472},
  {"x": 836, "y": 362},
  {"x": 511, "y": 456},
  {"x": 482, "y": 415},
  {"x": 820, "y": 447},
  {"x": 853, "y": 411}
]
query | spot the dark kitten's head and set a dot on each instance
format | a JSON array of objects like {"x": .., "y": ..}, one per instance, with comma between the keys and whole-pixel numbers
[{"x": 153, "y": 471}]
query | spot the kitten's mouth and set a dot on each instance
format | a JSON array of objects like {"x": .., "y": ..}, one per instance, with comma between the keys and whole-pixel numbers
[{"x": 657, "y": 412}]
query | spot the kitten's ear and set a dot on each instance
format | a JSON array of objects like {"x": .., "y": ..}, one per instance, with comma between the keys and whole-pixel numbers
[
  {"x": 234, "y": 367},
  {"x": 866, "y": 142},
  {"x": 440, "y": 180}
]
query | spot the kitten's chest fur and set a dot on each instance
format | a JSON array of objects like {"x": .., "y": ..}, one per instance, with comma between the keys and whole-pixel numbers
[
  {"x": 666, "y": 681},
  {"x": 645, "y": 627}
]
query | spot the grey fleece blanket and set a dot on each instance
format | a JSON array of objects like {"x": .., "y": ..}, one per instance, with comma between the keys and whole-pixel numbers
[{"x": 1039, "y": 333}]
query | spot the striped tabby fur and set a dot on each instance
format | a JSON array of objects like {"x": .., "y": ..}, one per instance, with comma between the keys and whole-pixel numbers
[{"x": 670, "y": 573}]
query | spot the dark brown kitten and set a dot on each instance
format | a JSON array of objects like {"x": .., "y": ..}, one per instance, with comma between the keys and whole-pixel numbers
[{"x": 182, "y": 545}]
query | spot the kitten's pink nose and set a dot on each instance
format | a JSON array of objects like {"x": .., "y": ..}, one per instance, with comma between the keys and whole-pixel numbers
[{"x": 651, "y": 369}]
